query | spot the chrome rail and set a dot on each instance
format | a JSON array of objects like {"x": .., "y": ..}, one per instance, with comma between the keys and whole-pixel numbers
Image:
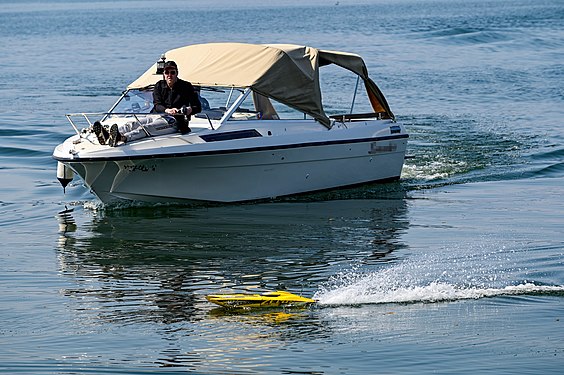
[{"x": 102, "y": 115}]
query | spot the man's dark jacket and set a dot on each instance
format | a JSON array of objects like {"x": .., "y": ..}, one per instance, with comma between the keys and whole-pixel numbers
[{"x": 181, "y": 94}]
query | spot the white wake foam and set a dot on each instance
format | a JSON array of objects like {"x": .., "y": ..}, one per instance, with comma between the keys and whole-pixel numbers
[
  {"x": 364, "y": 292},
  {"x": 435, "y": 277}
]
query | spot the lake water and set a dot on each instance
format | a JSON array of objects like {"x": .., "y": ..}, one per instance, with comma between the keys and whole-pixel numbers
[{"x": 457, "y": 268}]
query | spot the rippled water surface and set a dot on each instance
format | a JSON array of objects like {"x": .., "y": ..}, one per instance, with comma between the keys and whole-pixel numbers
[{"x": 457, "y": 268}]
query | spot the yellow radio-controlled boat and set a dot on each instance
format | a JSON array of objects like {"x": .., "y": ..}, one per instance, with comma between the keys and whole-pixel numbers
[{"x": 264, "y": 300}]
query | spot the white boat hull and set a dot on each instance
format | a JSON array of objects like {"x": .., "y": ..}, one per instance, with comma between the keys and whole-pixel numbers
[{"x": 248, "y": 169}]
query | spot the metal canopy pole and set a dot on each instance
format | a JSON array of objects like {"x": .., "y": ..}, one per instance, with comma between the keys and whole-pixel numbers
[{"x": 354, "y": 95}]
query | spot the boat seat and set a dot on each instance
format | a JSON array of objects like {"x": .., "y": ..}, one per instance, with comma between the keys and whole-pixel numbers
[{"x": 212, "y": 114}]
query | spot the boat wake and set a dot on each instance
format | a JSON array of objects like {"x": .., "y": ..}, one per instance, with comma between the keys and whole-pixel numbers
[
  {"x": 363, "y": 292},
  {"x": 422, "y": 282}
]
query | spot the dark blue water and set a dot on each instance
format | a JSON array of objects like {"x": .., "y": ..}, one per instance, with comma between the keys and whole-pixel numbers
[{"x": 457, "y": 268}]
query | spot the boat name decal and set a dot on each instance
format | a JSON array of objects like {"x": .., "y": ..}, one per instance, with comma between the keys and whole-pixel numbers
[
  {"x": 140, "y": 168},
  {"x": 375, "y": 147}
]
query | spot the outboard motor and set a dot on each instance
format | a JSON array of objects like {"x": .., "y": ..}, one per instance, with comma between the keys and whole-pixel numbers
[{"x": 64, "y": 175}]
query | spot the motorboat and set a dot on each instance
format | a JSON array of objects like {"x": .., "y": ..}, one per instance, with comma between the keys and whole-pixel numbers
[{"x": 264, "y": 130}]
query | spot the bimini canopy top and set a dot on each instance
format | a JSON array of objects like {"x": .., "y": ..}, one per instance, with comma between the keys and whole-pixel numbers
[{"x": 285, "y": 72}]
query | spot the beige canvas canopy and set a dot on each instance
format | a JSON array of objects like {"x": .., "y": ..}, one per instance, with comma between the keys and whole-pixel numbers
[{"x": 285, "y": 72}]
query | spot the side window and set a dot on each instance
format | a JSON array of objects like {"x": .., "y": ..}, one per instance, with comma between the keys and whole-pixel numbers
[
  {"x": 338, "y": 88},
  {"x": 246, "y": 111},
  {"x": 287, "y": 113},
  {"x": 213, "y": 100}
]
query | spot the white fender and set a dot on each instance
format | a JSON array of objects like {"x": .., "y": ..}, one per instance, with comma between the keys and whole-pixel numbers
[{"x": 64, "y": 174}]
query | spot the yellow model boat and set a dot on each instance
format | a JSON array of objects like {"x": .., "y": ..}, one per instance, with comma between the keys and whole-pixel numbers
[{"x": 268, "y": 299}]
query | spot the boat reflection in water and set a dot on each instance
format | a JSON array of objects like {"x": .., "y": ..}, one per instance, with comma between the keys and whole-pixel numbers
[
  {"x": 281, "y": 245},
  {"x": 156, "y": 264}
]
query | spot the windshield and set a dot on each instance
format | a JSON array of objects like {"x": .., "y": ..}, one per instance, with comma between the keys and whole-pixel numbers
[
  {"x": 135, "y": 101},
  {"x": 141, "y": 101},
  {"x": 215, "y": 102}
]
